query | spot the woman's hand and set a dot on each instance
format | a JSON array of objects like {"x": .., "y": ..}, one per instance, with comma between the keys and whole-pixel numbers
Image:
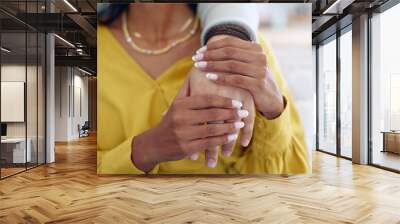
[
  {"x": 238, "y": 63},
  {"x": 200, "y": 85},
  {"x": 184, "y": 131}
]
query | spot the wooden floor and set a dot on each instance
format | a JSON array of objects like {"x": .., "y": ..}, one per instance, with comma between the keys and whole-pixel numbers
[
  {"x": 69, "y": 191},
  {"x": 5, "y": 172}
]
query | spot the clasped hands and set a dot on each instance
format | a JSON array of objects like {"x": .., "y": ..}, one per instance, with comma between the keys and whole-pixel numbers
[{"x": 229, "y": 81}]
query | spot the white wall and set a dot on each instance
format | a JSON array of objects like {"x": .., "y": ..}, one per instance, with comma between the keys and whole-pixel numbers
[
  {"x": 71, "y": 93},
  {"x": 16, "y": 73},
  {"x": 62, "y": 81},
  {"x": 33, "y": 127},
  {"x": 11, "y": 73},
  {"x": 81, "y": 84}
]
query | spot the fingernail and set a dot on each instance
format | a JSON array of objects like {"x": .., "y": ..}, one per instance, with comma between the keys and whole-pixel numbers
[
  {"x": 237, "y": 104},
  {"x": 202, "y": 49},
  {"x": 243, "y": 113},
  {"x": 226, "y": 152},
  {"x": 197, "y": 57},
  {"x": 194, "y": 156},
  {"x": 232, "y": 137},
  {"x": 239, "y": 125},
  {"x": 245, "y": 142},
  {"x": 211, "y": 76},
  {"x": 211, "y": 163},
  {"x": 200, "y": 64}
]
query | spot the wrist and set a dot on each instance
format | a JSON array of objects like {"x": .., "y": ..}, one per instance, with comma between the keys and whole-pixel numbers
[
  {"x": 217, "y": 37},
  {"x": 142, "y": 153},
  {"x": 227, "y": 30}
]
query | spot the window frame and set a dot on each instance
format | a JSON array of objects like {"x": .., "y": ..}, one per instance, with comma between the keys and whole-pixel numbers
[
  {"x": 31, "y": 30},
  {"x": 379, "y": 10},
  {"x": 334, "y": 37}
]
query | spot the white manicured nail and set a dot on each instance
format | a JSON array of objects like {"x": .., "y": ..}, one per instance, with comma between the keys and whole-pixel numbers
[
  {"x": 197, "y": 57},
  {"x": 227, "y": 152},
  {"x": 232, "y": 137},
  {"x": 211, "y": 76},
  {"x": 200, "y": 64},
  {"x": 237, "y": 104},
  {"x": 243, "y": 113},
  {"x": 245, "y": 142},
  {"x": 202, "y": 49},
  {"x": 211, "y": 163},
  {"x": 194, "y": 156},
  {"x": 239, "y": 124}
]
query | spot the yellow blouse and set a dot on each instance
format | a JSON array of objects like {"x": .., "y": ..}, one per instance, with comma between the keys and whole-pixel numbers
[{"x": 131, "y": 102}]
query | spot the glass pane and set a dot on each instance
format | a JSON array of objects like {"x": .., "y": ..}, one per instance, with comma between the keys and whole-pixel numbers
[
  {"x": 31, "y": 100},
  {"x": 14, "y": 153},
  {"x": 327, "y": 97},
  {"x": 23, "y": 84},
  {"x": 386, "y": 89},
  {"x": 346, "y": 94},
  {"x": 31, "y": 86},
  {"x": 41, "y": 98}
]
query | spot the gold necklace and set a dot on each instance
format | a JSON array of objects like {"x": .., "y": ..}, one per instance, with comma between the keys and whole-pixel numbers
[
  {"x": 163, "y": 50},
  {"x": 183, "y": 28}
]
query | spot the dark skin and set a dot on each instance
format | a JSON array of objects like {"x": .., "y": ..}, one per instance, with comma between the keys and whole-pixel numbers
[
  {"x": 243, "y": 64},
  {"x": 157, "y": 32},
  {"x": 181, "y": 132}
]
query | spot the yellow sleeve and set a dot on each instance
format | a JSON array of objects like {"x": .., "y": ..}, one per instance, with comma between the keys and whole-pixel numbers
[
  {"x": 278, "y": 146},
  {"x": 118, "y": 160}
]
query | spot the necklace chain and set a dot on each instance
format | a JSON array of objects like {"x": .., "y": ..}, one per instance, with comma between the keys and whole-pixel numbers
[
  {"x": 163, "y": 50},
  {"x": 183, "y": 28}
]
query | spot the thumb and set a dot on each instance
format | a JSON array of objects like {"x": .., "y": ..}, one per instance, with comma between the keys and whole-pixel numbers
[{"x": 185, "y": 90}]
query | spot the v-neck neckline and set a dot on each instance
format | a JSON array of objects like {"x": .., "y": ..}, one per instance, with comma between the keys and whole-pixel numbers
[{"x": 143, "y": 72}]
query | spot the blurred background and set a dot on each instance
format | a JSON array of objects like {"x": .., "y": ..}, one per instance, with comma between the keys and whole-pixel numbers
[{"x": 287, "y": 28}]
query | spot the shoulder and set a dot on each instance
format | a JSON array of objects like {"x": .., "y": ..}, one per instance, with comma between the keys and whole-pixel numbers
[
  {"x": 102, "y": 30},
  {"x": 107, "y": 29}
]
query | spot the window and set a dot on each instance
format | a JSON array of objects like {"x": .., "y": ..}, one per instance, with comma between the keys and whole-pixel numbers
[
  {"x": 22, "y": 88},
  {"x": 385, "y": 89},
  {"x": 327, "y": 97},
  {"x": 346, "y": 94}
]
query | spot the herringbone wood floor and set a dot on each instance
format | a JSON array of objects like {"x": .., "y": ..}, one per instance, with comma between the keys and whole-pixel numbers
[{"x": 69, "y": 191}]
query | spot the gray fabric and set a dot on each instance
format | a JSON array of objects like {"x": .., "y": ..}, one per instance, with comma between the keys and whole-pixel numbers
[{"x": 245, "y": 15}]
